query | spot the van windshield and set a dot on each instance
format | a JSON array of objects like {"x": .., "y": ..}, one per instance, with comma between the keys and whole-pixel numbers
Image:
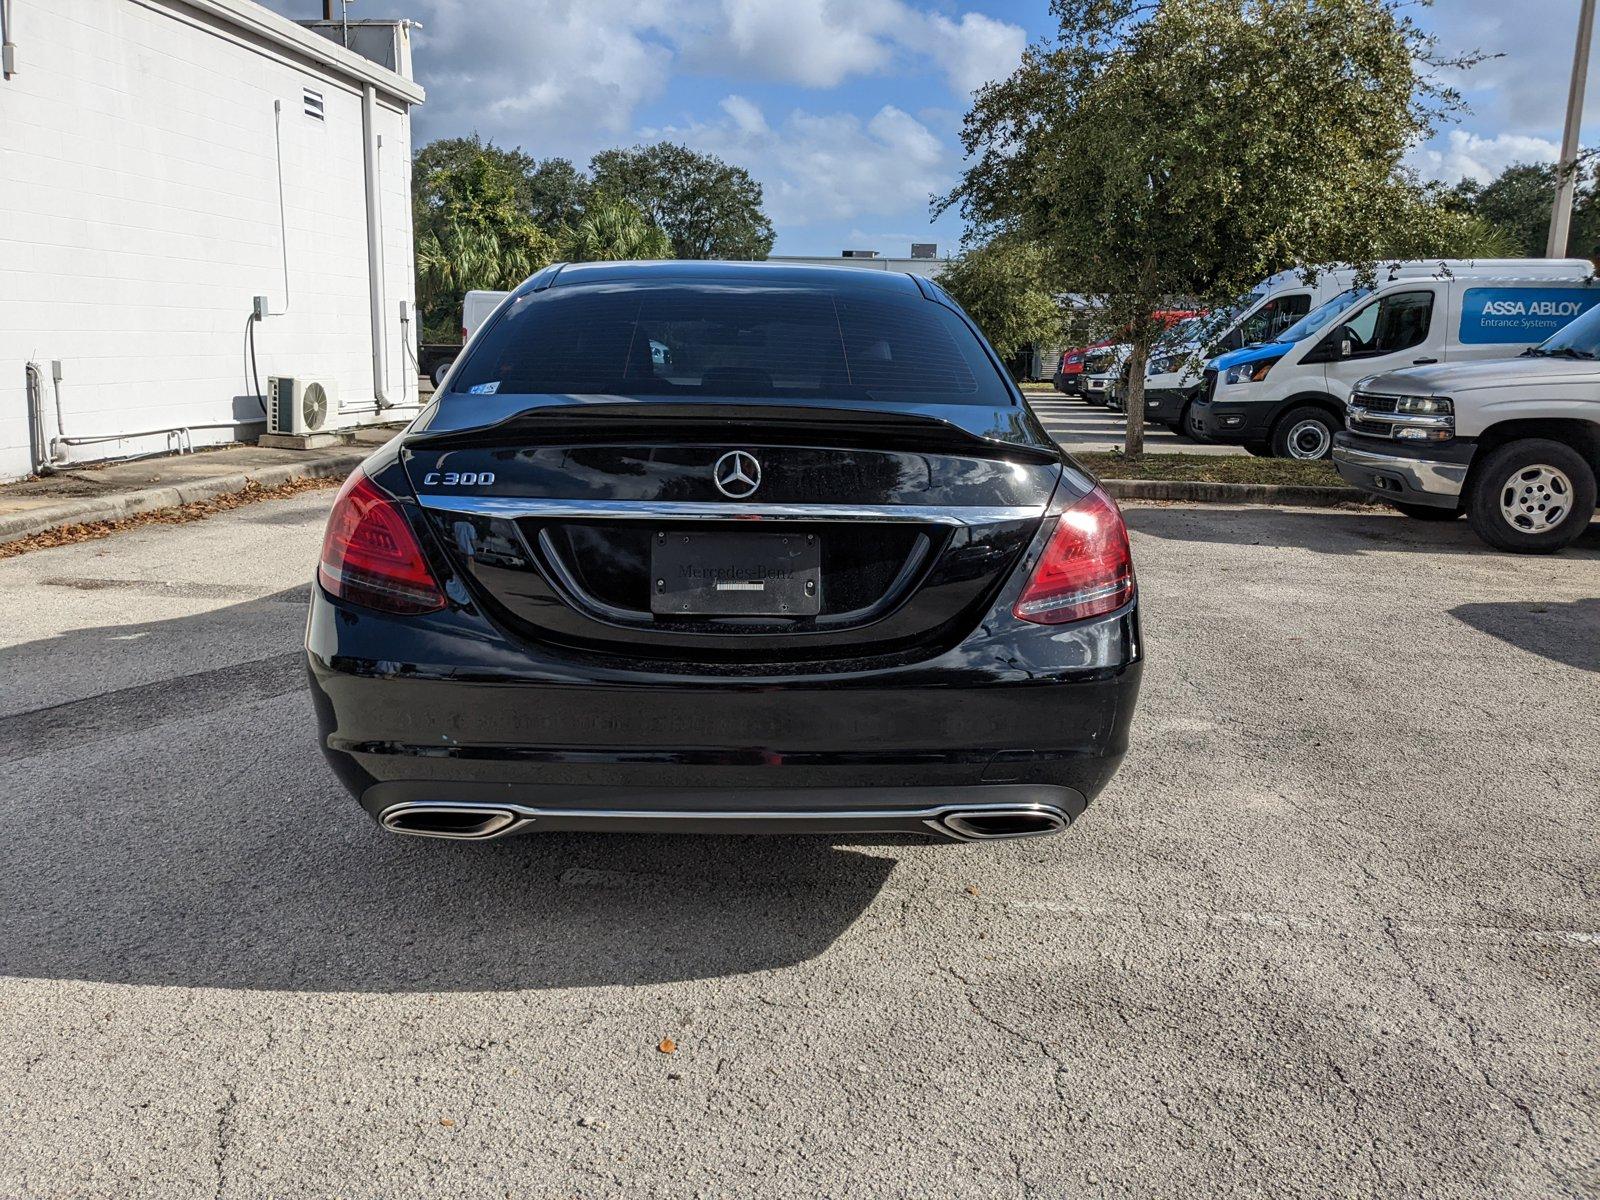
[
  {"x": 1185, "y": 332},
  {"x": 1212, "y": 325},
  {"x": 1579, "y": 338},
  {"x": 1319, "y": 318}
]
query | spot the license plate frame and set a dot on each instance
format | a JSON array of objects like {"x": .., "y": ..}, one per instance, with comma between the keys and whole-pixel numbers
[{"x": 723, "y": 573}]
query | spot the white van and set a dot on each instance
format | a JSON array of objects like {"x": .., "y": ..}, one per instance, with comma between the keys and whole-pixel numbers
[
  {"x": 1287, "y": 397},
  {"x": 476, "y": 308},
  {"x": 1173, "y": 379}
]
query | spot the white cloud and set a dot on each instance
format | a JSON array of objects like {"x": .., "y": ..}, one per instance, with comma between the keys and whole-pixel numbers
[
  {"x": 550, "y": 75},
  {"x": 972, "y": 51},
  {"x": 746, "y": 116},
  {"x": 1466, "y": 155},
  {"x": 564, "y": 76},
  {"x": 821, "y": 43},
  {"x": 826, "y": 167}
]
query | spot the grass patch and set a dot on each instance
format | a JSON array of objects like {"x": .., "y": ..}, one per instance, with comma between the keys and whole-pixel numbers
[
  {"x": 1045, "y": 386},
  {"x": 1212, "y": 468}
]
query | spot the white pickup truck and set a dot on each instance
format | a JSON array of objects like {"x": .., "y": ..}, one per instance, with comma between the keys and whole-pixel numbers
[{"x": 1514, "y": 443}]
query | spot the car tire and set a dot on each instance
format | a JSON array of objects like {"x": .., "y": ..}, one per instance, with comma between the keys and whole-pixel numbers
[
  {"x": 440, "y": 370},
  {"x": 1531, "y": 497},
  {"x": 1426, "y": 512},
  {"x": 1304, "y": 433}
]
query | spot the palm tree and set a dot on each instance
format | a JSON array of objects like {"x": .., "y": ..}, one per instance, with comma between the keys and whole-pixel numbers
[{"x": 611, "y": 229}]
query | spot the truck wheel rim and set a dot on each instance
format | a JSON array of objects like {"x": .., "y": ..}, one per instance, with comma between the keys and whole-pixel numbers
[
  {"x": 1309, "y": 439},
  {"x": 1536, "y": 499}
]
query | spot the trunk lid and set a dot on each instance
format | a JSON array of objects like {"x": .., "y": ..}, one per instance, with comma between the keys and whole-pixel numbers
[{"x": 650, "y": 529}]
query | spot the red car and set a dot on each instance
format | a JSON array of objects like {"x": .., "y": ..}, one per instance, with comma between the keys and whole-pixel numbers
[{"x": 1068, "y": 378}]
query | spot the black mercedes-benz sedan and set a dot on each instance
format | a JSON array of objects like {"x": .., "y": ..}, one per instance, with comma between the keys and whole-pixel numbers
[{"x": 725, "y": 547}]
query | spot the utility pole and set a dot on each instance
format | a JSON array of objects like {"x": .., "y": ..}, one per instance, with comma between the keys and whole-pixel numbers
[{"x": 1567, "y": 171}]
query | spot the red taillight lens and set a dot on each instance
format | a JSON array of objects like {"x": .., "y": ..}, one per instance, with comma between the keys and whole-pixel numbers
[
  {"x": 370, "y": 556},
  {"x": 1086, "y": 570}
]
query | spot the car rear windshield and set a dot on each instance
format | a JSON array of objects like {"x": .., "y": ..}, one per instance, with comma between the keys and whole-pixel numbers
[{"x": 732, "y": 339}]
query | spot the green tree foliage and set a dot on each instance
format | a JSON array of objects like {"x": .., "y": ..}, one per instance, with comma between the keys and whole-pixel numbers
[
  {"x": 556, "y": 193},
  {"x": 488, "y": 217},
  {"x": 473, "y": 227},
  {"x": 1189, "y": 150},
  {"x": 708, "y": 208},
  {"x": 1517, "y": 205},
  {"x": 609, "y": 230},
  {"x": 1003, "y": 286}
]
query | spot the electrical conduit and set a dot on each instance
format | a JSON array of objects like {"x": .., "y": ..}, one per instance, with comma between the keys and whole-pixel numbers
[{"x": 375, "y": 288}]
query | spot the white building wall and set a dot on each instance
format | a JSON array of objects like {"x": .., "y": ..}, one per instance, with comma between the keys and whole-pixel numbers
[{"x": 139, "y": 215}]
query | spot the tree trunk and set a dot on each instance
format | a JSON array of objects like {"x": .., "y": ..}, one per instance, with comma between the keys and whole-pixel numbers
[{"x": 1133, "y": 401}]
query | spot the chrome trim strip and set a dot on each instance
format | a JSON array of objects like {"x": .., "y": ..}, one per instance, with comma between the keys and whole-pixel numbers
[
  {"x": 679, "y": 510},
  {"x": 1357, "y": 412},
  {"x": 935, "y": 820},
  {"x": 959, "y": 822},
  {"x": 497, "y": 819}
]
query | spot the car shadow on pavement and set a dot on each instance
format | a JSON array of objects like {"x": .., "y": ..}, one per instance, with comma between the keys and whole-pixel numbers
[
  {"x": 1565, "y": 633},
  {"x": 1327, "y": 531},
  {"x": 186, "y": 832}
]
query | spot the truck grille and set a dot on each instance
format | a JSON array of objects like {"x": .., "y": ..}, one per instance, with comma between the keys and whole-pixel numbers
[
  {"x": 1373, "y": 404},
  {"x": 1369, "y": 427},
  {"x": 1382, "y": 417}
]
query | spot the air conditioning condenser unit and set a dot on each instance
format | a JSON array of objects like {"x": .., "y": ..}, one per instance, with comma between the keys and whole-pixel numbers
[{"x": 299, "y": 406}]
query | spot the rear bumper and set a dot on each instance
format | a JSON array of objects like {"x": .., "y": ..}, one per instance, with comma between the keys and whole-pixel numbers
[
  {"x": 1031, "y": 717},
  {"x": 1421, "y": 475},
  {"x": 957, "y": 814}
]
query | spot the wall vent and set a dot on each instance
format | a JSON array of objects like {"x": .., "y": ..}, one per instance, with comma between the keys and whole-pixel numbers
[{"x": 312, "y": 102}]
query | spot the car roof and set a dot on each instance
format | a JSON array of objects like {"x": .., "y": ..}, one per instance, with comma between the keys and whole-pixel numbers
[{"x": 692, "y": 271}]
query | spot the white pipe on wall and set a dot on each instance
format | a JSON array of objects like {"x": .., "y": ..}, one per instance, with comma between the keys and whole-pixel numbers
[{"x": 375, "y": 288}]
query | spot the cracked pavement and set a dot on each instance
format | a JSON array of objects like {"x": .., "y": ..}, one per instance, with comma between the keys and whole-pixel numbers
[{"x": 1331, "y": 931}]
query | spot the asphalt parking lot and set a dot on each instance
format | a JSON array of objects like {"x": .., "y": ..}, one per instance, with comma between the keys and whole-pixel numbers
[
  {"x": 1083, "y": 427},
  {"x": 1332, "y": 931}
]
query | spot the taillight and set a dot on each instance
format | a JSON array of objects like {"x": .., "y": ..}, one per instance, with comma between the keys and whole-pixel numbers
[
  {"x": 1087, "y": 568},
  {"x": 371, "y": 557}
]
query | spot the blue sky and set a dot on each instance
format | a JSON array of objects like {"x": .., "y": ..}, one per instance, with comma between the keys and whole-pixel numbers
[{"x": 848, "y": 111}]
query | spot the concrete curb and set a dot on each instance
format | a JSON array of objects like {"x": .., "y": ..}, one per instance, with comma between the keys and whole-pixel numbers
[
  {"x": 1290, "y": 495},
  {"x": 127, "y": 504}
]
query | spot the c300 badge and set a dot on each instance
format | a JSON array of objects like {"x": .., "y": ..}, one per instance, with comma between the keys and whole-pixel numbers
[{"x": 458, "y": 478}]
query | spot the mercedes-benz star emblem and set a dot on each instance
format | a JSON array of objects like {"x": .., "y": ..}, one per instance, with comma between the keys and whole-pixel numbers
[{"x": 737, "y": 474}]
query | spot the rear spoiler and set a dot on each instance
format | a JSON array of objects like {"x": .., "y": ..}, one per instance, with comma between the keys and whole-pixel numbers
[{"x": 998, "y": 432}]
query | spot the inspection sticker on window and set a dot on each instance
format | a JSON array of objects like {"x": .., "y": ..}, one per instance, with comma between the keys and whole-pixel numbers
[{"x": 484, "y": 389}]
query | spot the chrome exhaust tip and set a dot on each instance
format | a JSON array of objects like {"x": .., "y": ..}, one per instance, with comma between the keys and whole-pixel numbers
[
  {"x": 987, "y": 824},
  {"x": 464, "y": 822}
]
